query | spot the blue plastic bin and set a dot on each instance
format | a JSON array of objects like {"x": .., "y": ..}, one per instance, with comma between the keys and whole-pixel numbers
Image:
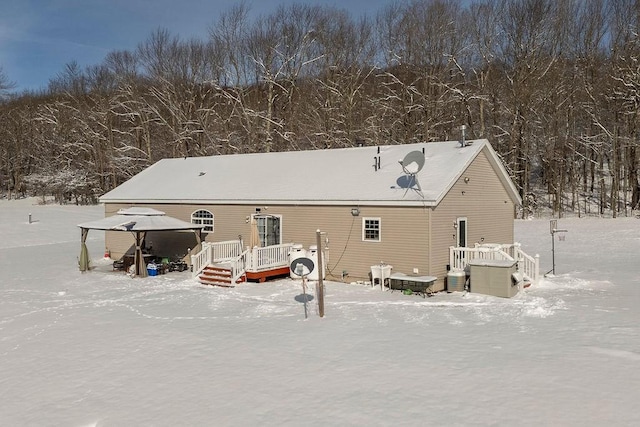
[{"x": 152, "y": 270}]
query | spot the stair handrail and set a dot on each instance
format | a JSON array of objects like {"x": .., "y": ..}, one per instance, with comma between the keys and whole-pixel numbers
[
  {"x": 211, "y": 252},
  {"x": 200, "y": 260},
  {"x": 239, "y": 266},
  {"x": 529, "y": 265}
]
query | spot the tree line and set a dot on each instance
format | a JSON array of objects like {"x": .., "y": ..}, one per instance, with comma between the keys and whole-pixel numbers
[{"x": 553, "y": 84}]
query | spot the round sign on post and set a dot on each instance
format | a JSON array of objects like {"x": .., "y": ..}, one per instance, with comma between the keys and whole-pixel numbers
[
  {"x": 302, "y": 267},
  {"x": 307, "y": 266}
]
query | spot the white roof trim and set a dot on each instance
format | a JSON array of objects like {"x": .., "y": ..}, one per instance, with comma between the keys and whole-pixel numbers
[{"x": 282, "y": 202}]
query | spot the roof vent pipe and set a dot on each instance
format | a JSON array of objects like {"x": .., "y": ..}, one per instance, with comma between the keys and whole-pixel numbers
[{"x": 463, "y": 143}]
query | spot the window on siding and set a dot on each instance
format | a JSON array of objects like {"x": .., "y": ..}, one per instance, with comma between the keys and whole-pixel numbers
[
  {"x": 203, "y": 217},
  {"x": 371, "y": 229}
]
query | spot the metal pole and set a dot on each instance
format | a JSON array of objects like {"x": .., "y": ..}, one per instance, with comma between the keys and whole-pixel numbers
[
  {"x": 553, "y": 226},
  {"x": 320, "y": 274},
  {"x": 553, "y": 251},
  {"x": 304, "y": 292}
]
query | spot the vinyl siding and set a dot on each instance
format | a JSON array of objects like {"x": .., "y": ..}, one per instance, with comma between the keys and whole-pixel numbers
[
  {"x": 486, "y": 204},
  {"x": 404, "y": 234}
]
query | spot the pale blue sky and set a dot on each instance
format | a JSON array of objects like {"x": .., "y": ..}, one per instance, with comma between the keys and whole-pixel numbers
[{"x": 38, "y": 37}]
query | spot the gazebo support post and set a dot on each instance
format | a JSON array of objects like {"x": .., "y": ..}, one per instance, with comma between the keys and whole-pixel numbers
[
  {"x": 141, "y": 266},
  {"x": 83, "y": 261}
]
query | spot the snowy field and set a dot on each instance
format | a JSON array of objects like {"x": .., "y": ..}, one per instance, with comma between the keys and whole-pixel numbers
[{"x": 102, "y": 349}]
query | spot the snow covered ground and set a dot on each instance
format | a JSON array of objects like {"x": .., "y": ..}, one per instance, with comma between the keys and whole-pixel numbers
[{"x": 102, "y": 349}]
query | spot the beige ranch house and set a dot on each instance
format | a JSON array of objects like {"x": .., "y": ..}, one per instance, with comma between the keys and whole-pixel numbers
[{"x": 402, "y": 205}]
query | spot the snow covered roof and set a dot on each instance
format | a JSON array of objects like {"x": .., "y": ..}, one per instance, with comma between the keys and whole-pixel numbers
[
  {"x": 150, "y": 221},
  {"x": 136, "y": 210},
  {"x": 358, "y": 175}
]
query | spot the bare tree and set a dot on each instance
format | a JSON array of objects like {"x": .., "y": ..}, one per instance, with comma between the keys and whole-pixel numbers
[
  {"x": 553, "y": 84},
  {"x": 625, "y": 94},
  {"x": 5, "y": 84},
  {"x": 423, "y": 42}
]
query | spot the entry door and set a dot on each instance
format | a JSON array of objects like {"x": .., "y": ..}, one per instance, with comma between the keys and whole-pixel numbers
[
  {"x": 461, "y": 232},
  {"x": 269, "y": 230}
]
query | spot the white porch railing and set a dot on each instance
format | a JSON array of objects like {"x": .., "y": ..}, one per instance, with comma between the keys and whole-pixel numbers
[
  {"x": 238, "y": 267},
  {"x": 269, "y": 257},
  {"x": 223, "y": 251},
  {"x": 200, "y": 260},
  {"x": 529, "y": 266},
  {"x": 213, "y": 252},
  {"x": 230, "y": 252}
]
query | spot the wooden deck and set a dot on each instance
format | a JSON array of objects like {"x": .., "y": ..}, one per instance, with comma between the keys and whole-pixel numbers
[
  {"x": 255, "y": 264},
  {"x": 262, "y": 276}
]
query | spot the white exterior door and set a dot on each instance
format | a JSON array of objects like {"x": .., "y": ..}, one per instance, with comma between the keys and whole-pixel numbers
[
  {"x": 461, "y": 232},
  {"x": 269, "y": 230}
]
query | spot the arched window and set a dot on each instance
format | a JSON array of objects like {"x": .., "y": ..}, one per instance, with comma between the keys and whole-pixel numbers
[{"x": 203, "y": 217}]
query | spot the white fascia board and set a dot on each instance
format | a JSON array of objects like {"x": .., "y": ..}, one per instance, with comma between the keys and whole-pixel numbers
[{"x": 412, "y": 203}]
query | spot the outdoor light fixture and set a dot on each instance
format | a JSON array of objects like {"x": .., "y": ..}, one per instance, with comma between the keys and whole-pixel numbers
[
  {"x": 466, "y": 179},
  {"x": 355, "y": 211}
]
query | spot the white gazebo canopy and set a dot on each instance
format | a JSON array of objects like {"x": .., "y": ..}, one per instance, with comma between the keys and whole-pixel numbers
[{"x": 137, "y": 220}]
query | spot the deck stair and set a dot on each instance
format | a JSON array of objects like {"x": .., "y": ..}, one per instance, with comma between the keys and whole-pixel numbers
[
  {"x": 227, "y": 264},
  {"x": 219, "y": 275}
]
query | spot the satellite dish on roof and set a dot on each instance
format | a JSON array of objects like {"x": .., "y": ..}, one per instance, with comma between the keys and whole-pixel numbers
[{"x": 412, "y": 163}]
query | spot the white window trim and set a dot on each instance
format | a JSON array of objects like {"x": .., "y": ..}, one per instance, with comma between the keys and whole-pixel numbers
[
  {"x": 199, "y": 220},
  {"x": 364, "y": 220}
]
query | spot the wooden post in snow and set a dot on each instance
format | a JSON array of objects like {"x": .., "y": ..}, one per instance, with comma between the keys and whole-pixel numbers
[{"x": 320, "y": 275}]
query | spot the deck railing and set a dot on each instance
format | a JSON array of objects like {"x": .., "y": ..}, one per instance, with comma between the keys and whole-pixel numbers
[
  {"x": 238, "y": 266},
  {"x": 230, "y": 252},
  {"x": 529, "y": 266},
  {"x": 459, "y": 257},
  {"x": 269, "y": 257},
  {"x": 224, "y": 251},
  {"x": 200, "y": 260},
  {"x": 213, "y": 252}
]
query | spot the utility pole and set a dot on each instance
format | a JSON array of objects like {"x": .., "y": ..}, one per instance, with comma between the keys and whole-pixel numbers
[{"x": 320, "y": 267}]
